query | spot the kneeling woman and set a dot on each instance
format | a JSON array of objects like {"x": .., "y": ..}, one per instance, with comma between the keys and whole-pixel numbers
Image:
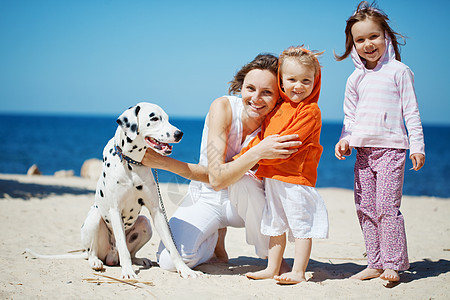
[{"x": 199, "y": 223}]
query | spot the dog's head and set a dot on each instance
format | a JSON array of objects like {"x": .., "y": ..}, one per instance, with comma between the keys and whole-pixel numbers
[{"x": 150, "y": 123}]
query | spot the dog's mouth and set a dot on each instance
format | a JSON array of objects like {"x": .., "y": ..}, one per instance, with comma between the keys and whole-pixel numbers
[{"x": 163, "y": 148}]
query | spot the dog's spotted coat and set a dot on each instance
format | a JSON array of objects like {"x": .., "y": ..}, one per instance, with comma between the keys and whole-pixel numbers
[{"x": 124, "y": 187}]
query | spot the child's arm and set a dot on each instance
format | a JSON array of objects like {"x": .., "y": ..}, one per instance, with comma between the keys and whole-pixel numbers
[
  {"x": 350, "y": 103},
  {"x": 342, "y": 148},
  {"x": 411, "y": 113},
  {"x": 411, "y": 116}
]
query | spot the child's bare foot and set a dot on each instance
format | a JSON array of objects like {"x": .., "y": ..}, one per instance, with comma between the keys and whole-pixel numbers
[
  {"x": 367, "y": 273},
  {"x": 263, "y": 274},
  {"x": 290, "y": 278},
  {"x": 390, "y": 275}
]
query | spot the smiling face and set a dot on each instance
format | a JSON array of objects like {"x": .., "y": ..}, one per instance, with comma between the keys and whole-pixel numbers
[
  {"x": 297, "y": 79},
  {"x": 369, "y": 41},
  {"x": 259, "y": 93},
  {"x": 146, "y": 125},
  {"x": 155, "y": 128}
]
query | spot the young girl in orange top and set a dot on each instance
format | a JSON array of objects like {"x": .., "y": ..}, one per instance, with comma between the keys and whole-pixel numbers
[{"x": 292, "y": 203}]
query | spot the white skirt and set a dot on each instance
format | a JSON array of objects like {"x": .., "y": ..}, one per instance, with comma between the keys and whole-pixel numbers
[{"x": 293, "y": 208}]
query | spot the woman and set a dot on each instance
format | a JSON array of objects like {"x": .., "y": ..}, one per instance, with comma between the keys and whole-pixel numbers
[{"x": 199, "y": 224}]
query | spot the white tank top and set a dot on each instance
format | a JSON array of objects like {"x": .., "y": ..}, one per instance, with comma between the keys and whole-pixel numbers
[{"x": 234, "y": 146}]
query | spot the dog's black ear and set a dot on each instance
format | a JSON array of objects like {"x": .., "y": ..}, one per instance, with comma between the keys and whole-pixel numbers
[{"x": 128, "y": 120}]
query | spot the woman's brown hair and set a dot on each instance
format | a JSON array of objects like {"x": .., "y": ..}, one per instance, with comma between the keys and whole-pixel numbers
[{"x": 262, "y": 62}]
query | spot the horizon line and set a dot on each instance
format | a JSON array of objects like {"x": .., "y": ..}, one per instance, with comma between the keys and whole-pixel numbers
[{"x": 112, "y": 115}]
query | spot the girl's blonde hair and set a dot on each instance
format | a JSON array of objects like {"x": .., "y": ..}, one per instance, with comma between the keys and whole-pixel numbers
[
  {"x": 302, "y": 55},
  {"x": 369, "y": 11}
]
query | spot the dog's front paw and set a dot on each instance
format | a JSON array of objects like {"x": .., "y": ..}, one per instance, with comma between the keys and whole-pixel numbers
[
  {"x": 146, "y": 263},
  {"x": 128, "y": 273},
  {"x": 186, "y": 272},
  {"x": 95, "y": 263}
]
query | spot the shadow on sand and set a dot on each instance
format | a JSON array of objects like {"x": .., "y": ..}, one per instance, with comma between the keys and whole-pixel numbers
[
  {"x": 329, "y": 270},
  {"x": 21, "y": 190}
]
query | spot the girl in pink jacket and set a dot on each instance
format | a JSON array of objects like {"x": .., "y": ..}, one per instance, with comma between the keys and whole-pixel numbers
[{"x": 379, "y": 101}]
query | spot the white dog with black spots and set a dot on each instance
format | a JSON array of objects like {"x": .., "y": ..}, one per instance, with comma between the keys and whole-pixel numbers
[{"x": 113, "y": 231}]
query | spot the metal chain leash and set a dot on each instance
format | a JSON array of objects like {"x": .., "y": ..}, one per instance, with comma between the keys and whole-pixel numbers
[{"x": 155, "y": 172}]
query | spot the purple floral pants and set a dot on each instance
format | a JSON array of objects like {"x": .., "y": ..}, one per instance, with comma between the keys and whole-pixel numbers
[{"x": 378, "y": 188}]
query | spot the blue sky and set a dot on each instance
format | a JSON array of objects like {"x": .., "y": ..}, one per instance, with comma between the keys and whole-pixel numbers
[{"x": 100, "y": 57}]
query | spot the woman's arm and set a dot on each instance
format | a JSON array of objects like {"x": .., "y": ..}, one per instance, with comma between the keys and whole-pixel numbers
[
  {"x": 222, "y": 173},
  {"x": 306, "y": 125},
  {"x": 187, "y": 170}
]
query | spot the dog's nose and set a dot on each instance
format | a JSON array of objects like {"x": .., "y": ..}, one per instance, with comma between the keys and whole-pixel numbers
[{"x": 178, "y": 135}]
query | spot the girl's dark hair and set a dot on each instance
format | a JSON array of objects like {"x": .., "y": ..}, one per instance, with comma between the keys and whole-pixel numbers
[
  {"x": 262, "y": 62},
  {"x": 369, "y": 11}
]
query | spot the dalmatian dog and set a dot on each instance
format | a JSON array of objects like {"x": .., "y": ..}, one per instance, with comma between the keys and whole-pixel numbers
[{"x": 114, "y": 231}]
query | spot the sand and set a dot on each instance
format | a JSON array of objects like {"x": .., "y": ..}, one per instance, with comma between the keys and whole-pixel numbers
[{"x": 45, "y": 213}]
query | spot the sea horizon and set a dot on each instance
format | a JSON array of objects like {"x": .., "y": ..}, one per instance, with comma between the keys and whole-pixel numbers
[
  {"x": 182, "y": 117},
  {"x": 55, "y": 141}
]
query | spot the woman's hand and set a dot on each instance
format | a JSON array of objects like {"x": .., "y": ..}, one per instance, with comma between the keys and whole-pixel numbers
[
  {"x": 154, "y": 160},
  {"x": 418, "y": 160},
  {"x": 277, "y": 147},
  {"x": 342, "y": 148}
]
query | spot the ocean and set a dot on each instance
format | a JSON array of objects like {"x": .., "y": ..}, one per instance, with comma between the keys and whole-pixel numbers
[{"x": 56, "y": 143}]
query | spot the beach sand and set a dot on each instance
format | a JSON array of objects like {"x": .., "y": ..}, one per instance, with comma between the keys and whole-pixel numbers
[{"x": 45, "y": 213}]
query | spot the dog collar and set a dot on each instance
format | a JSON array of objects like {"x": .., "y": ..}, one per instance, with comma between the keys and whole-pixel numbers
[{"x": 122, "y": 156}]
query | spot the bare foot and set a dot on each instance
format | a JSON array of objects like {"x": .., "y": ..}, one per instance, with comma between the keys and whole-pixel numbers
[
  {"x": 216, "y": 260},
  {"x": 263, "y": 274},
  {"x": 290, "y": 278},
  {"x": 390, "y": 275},
  {"x": 367, "y": 273},
  {"x": 220, "y": 254}
]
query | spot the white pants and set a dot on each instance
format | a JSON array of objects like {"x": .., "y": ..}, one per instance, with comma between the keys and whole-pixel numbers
[{"x": 195, "y": 225}]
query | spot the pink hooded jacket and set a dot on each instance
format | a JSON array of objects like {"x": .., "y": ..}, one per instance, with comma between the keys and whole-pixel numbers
[{"x": 379, "y": 103}]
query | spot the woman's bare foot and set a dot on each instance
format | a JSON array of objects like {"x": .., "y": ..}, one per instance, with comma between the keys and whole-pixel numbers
[
  {"x": 390, "y": 275},
  {"x": 220, "y": 254},
  {"x": 367, "y": 273},
  {"x": 216, "y": 260},
  {"x": 263, "y": 274},
  {"x": 290, "y": 278}
]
